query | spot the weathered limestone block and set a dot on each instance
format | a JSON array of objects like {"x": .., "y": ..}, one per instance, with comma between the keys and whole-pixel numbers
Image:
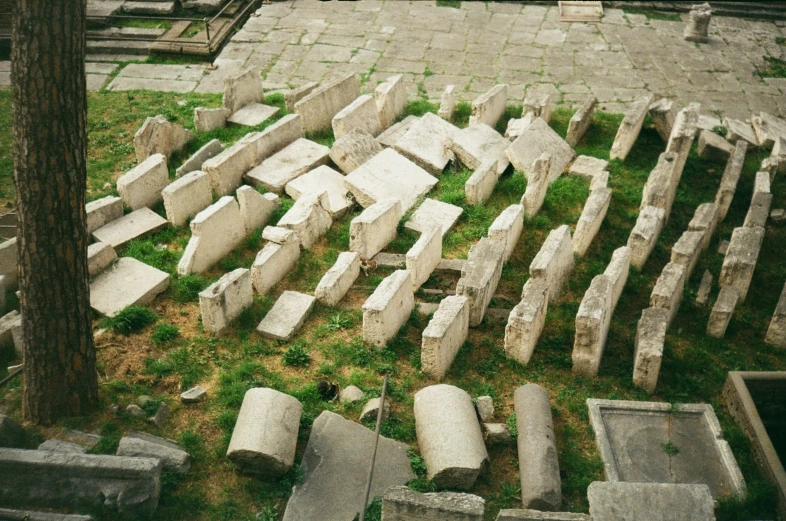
[
  {"x": 272, "y": 263},
  {"x": 215, "y": 232},
  {"x": 681, "y": 140},
  {"x": 427, "y": 143},
  {"x": 424, "y": 256},
  {"x": 705, "y": 287},
  {"x": 762, "y": 183},
  {"x": 293, "y": 96},
  {"x": 686, "y": 251},
  {"x": 480, "y": 277},
  {"x": 287, "y": 316},
  {"x": 8, "y": 263},
  {"x": 630, "y": 128},
  {"x": 322, "y": 179},
  {"x": 479, "y": 144},
  {"x": 506, "y": 229},
  {"x": 698, "y": 27},
  {"x": 141, "y": 445},
  {"x": 197, "y": 159},
  {"x": 618, "y": 501},
  {"x": 722, "y": 311},
  {"x": 526, "y": 321},
  {"x": 591, "y": 220},
  {"x": 497, "y": 434},
  {"x": 554, "y": 262},
  {"x": 256, "y": 208},
  {"x": 353, "y": 149},
  {"x": 242, "y": 89},
  {"x": 490, "y": 106},
  {"x": 253, "y": 114},
  {"x": 581, "y": 121},
  {"x": 663, "y": 113},
  {"x": 485, "y": 407},
  {"x": 449, "y": 436},
  {"x": 588, "y": 166},
  {"x": 741, "y": 258},
  {"x": 389, "y": 137},
  {"x": 536, "y": 515},
  {"x": 227, "y": 168},
  {"x": 126, "y": 486},
  {"x": 318, "y": 108},
  {"x": 141, "y": 186},
  {"x": 309, "y": 218},
  {"x": 592, "y": 326},
  {"x": 391, "y": 100},
  {"x": 11, "y": 334},
  {"x": 776, "y": 333},
  {"x": 186, "y": 197},
  {"x": 538, "y": 103},
  {"x": 731, "y": 176},
  {"x": 648, "y": 353},
  {"x": 127, "y": 282},
  {"x": 447, "y": 103},
  {"x": 537, "y": 447},
  {"x": 705, "y": 219},
  {"x": 208, "y": 120},
  {"x": 404, "y": 504},
  {"x": 533, "y": 142},
  {"x": 737, "y": 130},
  {"x": 194, "y": 395},
  {"x": 360, "y": 114},
  {"x": 444, "y": 336},
  {"x": 432, "y": 213},
  {"x": 274, "y": 138},
  {"x": 99, "y": 256},
  {"x": 159, "y": 136},
  {"x": 223, "y": 301},
  {"x": 293, "y": 161},
  {"x": 759, "y": 210},
  {"x": 645, "y": 234},
  {"x": 667, "y": 293},
  {"x": 768, "y": 129},
  {"x": 265, "y": 435},
  {"x": 481, "y": 183},
  {"x": 338, "y": 279},
  {"x": 537, "y": 185},
  {"x": 388, "y": 308},
  {"x": 659, "y": 189},
  {"x": 617, "y": 272},
  {"x": 517, "y": 126},
  {"x": 713, "y": 147},
  {"x": 103, "y": 211},
  {"x": 375, "y": 227},
  {"x": 600, "y": 181}
]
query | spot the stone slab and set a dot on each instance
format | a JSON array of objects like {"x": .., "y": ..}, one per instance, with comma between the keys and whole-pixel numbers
[
  {"x": 272, "y": 263},
  {"x": 186, "y": 197},
  {"x": 287, "y": 316},
  {"x": 361, "y": 114},
  {"x": 404, "y": 504},
  {"x": 319, "y": 106},
  {"x": 224, "y": 300},
  {"x": 290, "y": 163},
  {"x": 103, "y": 211},
  {"x": 253, "y": 114},
  {"x": 427, "y": 143},
  {"x": 391, "y": 99},
  {"x": 722, "y": 311},
  {"x": 141, "y": 445},
  {"x": 127, "y": 282},
  {"x": 208, "y": 150},
  {"x": 323, "y": 178},
  {"x": 141, "y": 186},
  {"x": 649, "y": 502},
  {"x": 375, "y": 227},
  {"x": 554, "y": 262},
  {"x": 242, "y": 90},
  {"x": 741, "y": 258},
  {"x": 480, "y": 277},
  {"x": 534, "y": 141},
  {"x": 432, "y": 213},
  {"x": 591, "y": 219},
  {"x": 592, "y": 327},
  {"x": 478, "y": 144},
  {"x": 389, "y": 137},
  {"x": 99, "y": 256},
  {"x": 580, "y": 121},
  {"x": 645, "y": 234},
  {"x": 129, "y": 227},
  {"x": 444, "y": 335},
  {"x": 629, "y": 129},
  {"x": 526, "y": 321},
  {"x": 489, "y": 107},
  {"x": 776, "y": 333},
  {"x": 338, "y": 279},
  {"x": 388, "y": 308},
  {"x": 648, "y": 350},
  {"x": 353, "y": 149},
  {"x": 215, "y": 232}
]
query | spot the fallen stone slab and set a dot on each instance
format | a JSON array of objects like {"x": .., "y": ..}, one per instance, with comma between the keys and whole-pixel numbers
[
  {"x": 186, "y": 197},
  {"x": 449, "y": 436},
  {"x": 215, "y": 232},
  {"x": 686, "y": 251},
  {"x": 141, "y": 445},
  {"x": 538, "y": 102},
  {"x": 768, "y": 129},
  {"x": 722, "y": 311},
  {"x": 703, "y": 295},
  {"x": 645, "y": 234},
  {"x": 370, "y": 411},
  {"x": 537, "y": 185},
  {"x": 614, "y": 501},
  {"x": 253, "y": 114},
  {"x": 62, "y": 446},
  {"x": 103, "y": 211},
  {"x": 404, "y": 504},
  {"x": 287, "y": 316},
  {"x": 224, "y": 300},
  {"x": 127, "y": 282},
  {"x": 141, "y": 186},
  {"x": 427, "y": 143},
  {"x": 242, "y": 89},
  {"x": 554, "y": 262},
  {"x": 759, "y": 210},
  {"x": 481, "y": 183},
  {"x": 208, "y": 120},
  {"x": 478, "y": 144},
  {"x": 322, "y": 179},
  {"x": 533, "y": 142},
  {"x": 591, "y": 220},
  {"x": 194, "y": 163},
  {"x": 282, "y": 167},
  {"x": 350, "y": 394},
  {"x": 540, "y": 481},
  {"x": 659, "y": 191},
  {"x": 375, "y": 227},
  {"x": 433, "y": 213},
  {"x": 730, "y": 179},
  {"x": 630, "y": 128},
  {"x": 517, "y": 126},
  {"x": 194, "y": 395},
  {"x": 293, "y": 96},
  {"x": 272, "y": 263},
  {"x": 497, "y": 434},
  {"x": 506, "y": 229},
  {"x": 30, "y": 515},
  {"x": 580, "y": 121},
  {"x": 361, "y": 114},
  {"x": 388, "y": 308},
  {"x": 737, "y": 130},
  {"x": 705, "y": 219},
  {"x": 389, "y": 175},
  {"x": 588, "y": 166},
  {"x": 762, "y": 183},
  {"x": 663, "y": 113},
  {"x": 741, "y": 257},
  {"x": 713, "y": 147},
  {"x": 537, "y": 515},
  {"x": 490, "y": 106},
  {"x": 617, "y": 271},
  {"x": 424, "y": 256},
  {"x": 480, "y": 277},
  {"x": 256, "y": 208},
  {"x": 338, "y": 279},
  {"x": 309, "y": 218},
  {"x": 336, "y": 447},
  {"x": 526, "y": 321},
  {"x": 100, "y": 255},
  {"x": 159, "y": 136},
  {"x": 776, "y": 333},
  {"x": 445, "y": 334},
  {"x": 265, "y": 435},
  {"x": 447, "y": 103},
  {"x": 12, "y": 435},
  {"x": 127, "y": 486},
  {"x": 667, "y": 293},
  {"x": 648, "y": 351},
  {"x": 709, "y": 123},
  {"x": 353, "y": 149},
  {"x": 592, "y": 327},
  {"x": 389, "y": 137},
  {"x": 681, "y": 140},
  {"x": 318, "y": 107}
]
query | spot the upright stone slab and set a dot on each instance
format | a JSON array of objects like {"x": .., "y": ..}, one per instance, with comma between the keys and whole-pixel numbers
[
  {"x": 776, "y": 333},
  {"x": 731, "y": 176},
  {"x": 353, "y": 149},
  {"x": 404, "y": 504},
  {"x": 554, "y": 262},
  {"x": 8, "y": 263},
  {"x": 127, "y": 282},
  {"x": 388, "y": 308},
  {"x": 265, "y": 435},
  {"x": 256, "y": 208},
  {"x": 759, "y": 210},
  {"x": 580, "y": 121},
  {"x": 309, "y": 218},
  {"x": 591, "y": 220},
  {"x": 481, "y": 183},
  {"x": 648, "y": 352},
  {"x": 375, "y": 227},
  {"x": 526, "y": 321},
  {"x": 713, "y": 147},
  {"x": 197, "y": 159},
  {"x": 619, "y": 501},
  {"x": 427, "y": 143},
  {"x": 517, "y": 126},
  {"x": 737, "y": 130},
  {"x": 318, "y": 108},
  {"x": 186, "y": 197},
  {"x": 533, "y": 142},
  {"x": 103, "y": 211},
  {"x": 290, "y": 163},
  {"x": 659, "y": 189},
  {"x": 479, "y": 144},
  {"x": 537, "y": 185},
  {"x": 447, "y": 103},
  {"x": 432, "y": 213},
  {"x": 424, "y": 256},
  {"x": 224, "y": 300},
  {"x": 588, "y": 167},
  {"x": 538, "y": 103},
  {"x": 703, "y": 295},
  {"x": 768, "y": 129},
  {"x": 361, "y": 114},
  {"x": 698, "y": 27},
  {"x": 490, "y": 106},
  {"x": 762, "y": 183},
  {"x": 141, "y": 186},
  {"x": 645, "y": 234},
  {"x": 617, "y": 272},
  {"x": 592, "y": 326},
  {"x": 287, "y": 316},
  {"x": 208, "y": 120},
  {"x": 722, "y": 311},
  {"x": 741, "y": 258},
  {"x": 681, "y": 140},
  {"x": 663, "y": 113},
  {"x": 242, "y": 89},
  {"x": 293, "y": 96},
  {"x": 227, "y": 168},
  {"x": 100, "y": 255},
  {"x": 338, "y": 279},
  {"x": 129, "y": 227},
  {"x": 506, "y": 229},
  {"x": 159, "y": 136},
  {"x": 667, "y": 293},
  {"x": 215, "y": 233},
  {"x": 686, "y": 251},
  {"x": 705, "y": 219},
  {"x": 480, "y": 276},
  {"x": 391, "y": 99},
  {"x": 272, "y": 263},
  {"x": 541, "y": 487},
  {"x": 322, "y": 179},
  {"x": 445, "y": 334},
  {"x": 449, "y": 436},
  {"x": 630, "y": 128},
  {"x": 274, "y": 138}
]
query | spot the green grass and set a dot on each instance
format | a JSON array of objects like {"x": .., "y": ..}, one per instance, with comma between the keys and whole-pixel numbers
[
  {"x": 776, "y": 68},
  {"x": 455, "y": 4},
  {"x": 130, "y": 320},
  {"x": 654, "y": 15}
]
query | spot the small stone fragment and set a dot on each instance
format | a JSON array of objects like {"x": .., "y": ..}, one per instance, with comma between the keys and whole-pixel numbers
[
  {"x": 194, "y": 395},
  {"x": 350, "y": 394},
  {"x": 485, "y": 407},
  {"x": 371, "y": 409},
  {"x": 704, "y": 288}
]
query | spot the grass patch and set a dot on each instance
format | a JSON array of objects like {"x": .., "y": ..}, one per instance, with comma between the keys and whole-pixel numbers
[
  {"x": 130, "y": 320},
  {"x": 164, "y": 333},
  {"x": 776, "y": 68},
  {"x": 455, "y": 4},
  {"x": 654, "y": 15}
]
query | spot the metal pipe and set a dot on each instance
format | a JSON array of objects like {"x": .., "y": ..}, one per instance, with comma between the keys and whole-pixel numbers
[{"x": 374, "y": 449}]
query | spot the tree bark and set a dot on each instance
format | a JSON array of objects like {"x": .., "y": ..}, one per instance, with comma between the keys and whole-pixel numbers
[{"x": 50, "y": 171}]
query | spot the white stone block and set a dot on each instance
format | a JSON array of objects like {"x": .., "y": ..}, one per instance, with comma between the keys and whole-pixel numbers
[
  {"x": 533, "y": 142},
  {"x": 645, "y": 234},
  {"x": 141, "y": 186},
  {"x": 197, "y": 159},
  {"x": 432, "y": 213},
  {"x": 129, "y": 227},
  {"x": 276, "y": 137},
  {"x": 99, "y": 256},
  {"x": 127, "y": 282},
  {"x": 253, "y": 114},
  {"x": 272, "y": 264},
  {"x": 447, "y": 103},
  {"x": 290, "y": 163},
  {"x": 308, "y": 218},
  {"x": 730, "y": 179},
  {"x": 287, "y": 316},
  {"x": 480, "y": 277},
  {"x": 227, "y": 168},
  {"x": 391, "y": 100},
  {"x": 591, "y": 220},
  {"x": 479, "y": 144},
  {"x": 318, "y": 108},
  {"x": 722, "y": 311},
  {"x": 445, "y": 334},
  {"x": 388, "y": 308},
  {"x": 526, "y": 321},
  {"x": 630, "y": 128},
  {"x": 686, "y": 251},
  {"x": 617, "y": 271},
  {"x": 223, "y": 301},
  {"x": 667, "y": 293},
  {"x": 159, "y": 136},
  {"x": 592, "y": 326},
  {"x": 663, "y": 113},
  {"x": 353, "y": 149},
  {"x": 490, "y": 106},
  {"x": 580, "y": 121},
  {"x": 768, "y": 129},
  {"x": 375, "y": 227},
  {"x": 322, "y": 179},
  {"x": 338, "y": 279},
  {"x": 424, "y": 256},
  {"x": 242, "y": 89},
  {"x": 186, "y": 197},
  {"x": 389, "y": 137},
  {"x": 538, "y": 102},
  {"x": 256, "y": 208},
  {"x": 103, "y": 211},
  {"x": 537, "y": 185},
  {"x": 361, "y": 114},
  {"x": 648, "y": 353},
  {"x": 208, "y": 120},
  {"x": 215, "y": 232},
  {"x": 481, "y": 183},
  {"x": 705, "y": 219},
  {"x": 554, "y": 262},
  {"x": 427, "y": 143},
  {"x": 588, "y": 166},
  {"x": 507, "y": 227},
  {"x": 741, "y": 258},
  {"x": 293, "y": 96}
]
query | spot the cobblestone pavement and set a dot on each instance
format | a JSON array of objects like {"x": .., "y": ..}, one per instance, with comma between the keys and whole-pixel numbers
[{"x": 481, "y": 44}]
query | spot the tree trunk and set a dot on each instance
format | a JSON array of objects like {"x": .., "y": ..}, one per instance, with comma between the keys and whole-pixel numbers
[{"x": 50, "y": 170}]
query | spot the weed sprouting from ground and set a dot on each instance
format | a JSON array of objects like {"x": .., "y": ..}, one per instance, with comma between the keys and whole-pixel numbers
[
  {"x": 164, "y": 333},
  {"x": 296, "y": 356},
  {"x": 130, "y": 320}
]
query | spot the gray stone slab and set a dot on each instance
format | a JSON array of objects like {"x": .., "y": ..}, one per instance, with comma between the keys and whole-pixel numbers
[
  {"x": 649, "y": 502},
  {"x": 62, "y": 446},
  {"x": 141, "y": 445},
  {"x": 534, "y": 141},
  {"x": 479, "y": 144},
  {"x": 427, "y": 143},
  {"x": 128, "y": 282},
  {"x": 404, "y": 504},
  {"x": 129, "y": 227},
  {"x": 253, "y": 114},
  {"x": 30, "y": 515},
  {"x": 293, "y": 161},
  {"x": 434, "y": 213},
  {"x": 286, "y": 316},
  {"x": 389, "y": 137}
]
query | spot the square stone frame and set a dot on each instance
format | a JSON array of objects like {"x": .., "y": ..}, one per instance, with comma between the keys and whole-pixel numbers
[
  {"x": 610, "y": 469},
  {"x": 745, "y": 413},
  {"x": 590, "y": 12}
]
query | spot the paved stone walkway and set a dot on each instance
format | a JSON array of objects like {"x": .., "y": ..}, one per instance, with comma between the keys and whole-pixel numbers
[{"x": 482, "y": 44}]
